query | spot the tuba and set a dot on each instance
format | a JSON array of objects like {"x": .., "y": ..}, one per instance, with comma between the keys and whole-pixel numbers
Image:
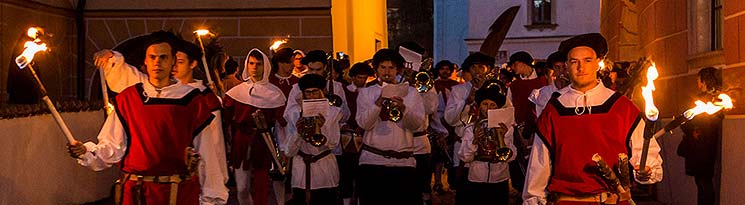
[
  {"x": 490, "y": 141},
  {"x": 309, "y": 129}
]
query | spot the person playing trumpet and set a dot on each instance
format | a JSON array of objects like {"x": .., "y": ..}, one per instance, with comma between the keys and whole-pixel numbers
[
  {"x": 310, "y": 142},
  {"x": 387, "y": 156},
  {"x": 487, "y": 152}
]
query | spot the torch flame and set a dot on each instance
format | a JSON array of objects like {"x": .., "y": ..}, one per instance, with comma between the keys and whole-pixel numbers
[
  {"x": 31, "y": 48},
  {"x": 277, "y": 43},
  {"x": 32, "y": 32},
  {"x": 601, "y": 65},
  {"x": 709, "y": 107},
  {"x": 202, "y": 32},
  {"x": 650, "y": 110}
]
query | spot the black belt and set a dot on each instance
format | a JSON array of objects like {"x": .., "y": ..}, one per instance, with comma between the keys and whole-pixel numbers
[
  {"x": 308, "y": 159},
  {"x": 388, "y": 153}
]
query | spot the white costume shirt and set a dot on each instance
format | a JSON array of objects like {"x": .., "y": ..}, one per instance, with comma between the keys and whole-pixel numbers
[
  {"x": 209, "y": 144},
  {"x": 388, "y": 135},
  {"x": 539, "y": 167},
  {"x": 421, "y": 143},
  {"x": 325, "y": 171},
  {"x": 480, "y": 171}
]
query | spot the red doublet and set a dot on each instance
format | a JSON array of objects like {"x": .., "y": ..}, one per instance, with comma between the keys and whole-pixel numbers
[
  {"x": 572, "y": 140},
  {"x": 521, "y": 89},
  {"x": 441, "y": 85},
  {"x": 352, "y": 103},
  {"x": 238, "y": 117},
  {"x": 158, "y": 131},
  {"x": 286, "y": 88}
]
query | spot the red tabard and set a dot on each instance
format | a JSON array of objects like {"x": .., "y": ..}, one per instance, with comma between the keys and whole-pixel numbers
[
  {"x": 242, "y": 128},
  {"x": 286, "y": 88},
  {"x": 352, "y": 103},
  {"x": 441, "y": 85},
  {"x": 159, "y": 131},
  {"x": 573, "y": 139},
  {"x": 521, "y": 89}
]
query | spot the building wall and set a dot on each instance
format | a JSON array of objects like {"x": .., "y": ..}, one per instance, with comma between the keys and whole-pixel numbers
[
  {"x": 451, "y": 30},
  {"x": 37, "y": 168},
  {"x": 572, "y": 17},
  {"x": 56, "y": 68},
  {"x": 357, "y": 26},
  {"x": 676, "y": 35}
]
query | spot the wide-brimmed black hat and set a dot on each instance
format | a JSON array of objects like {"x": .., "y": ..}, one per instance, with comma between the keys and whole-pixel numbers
[
  {"x": 521, "y": 56},
  {"x": 311, "y": 81},
  {"x": 477, "y": 58},
  {"x": 315, "y": 56},
  {"x": 593, "y": 40}
]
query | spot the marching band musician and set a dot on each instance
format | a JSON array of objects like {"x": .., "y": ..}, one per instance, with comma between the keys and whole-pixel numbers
[
  {"x": 460, "y": 101},
  {"x": 351, "y": 133},
  {"x": 322, "y": 179},
  {"x": 250, "y": 155},
  {"x": 388, "y": 145},
  {"x": 488, "y": 176},
  {"x": 569, "y": 133}
]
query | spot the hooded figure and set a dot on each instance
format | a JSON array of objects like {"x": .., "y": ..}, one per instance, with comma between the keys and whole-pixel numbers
[
  {"x": 261, "y": 94},
  {"x": 250, "y": 155}
]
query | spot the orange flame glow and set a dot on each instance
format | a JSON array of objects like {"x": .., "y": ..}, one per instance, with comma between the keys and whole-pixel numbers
[
  {"x": 601, "y": 65},
  {"x": 650, "y": 110},
  {"x": 31, "y": 48},
  {"x": 202, "y": 32},
  {"x": 32, "y": 32},
  {"x": 277, "y": 43},
  {"x": 709, "y": 107}
]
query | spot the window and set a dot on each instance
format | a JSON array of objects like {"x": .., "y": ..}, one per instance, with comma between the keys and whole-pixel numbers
[
  {"x": 716, "y": 25},
  {"x": 540, "y": 12}
]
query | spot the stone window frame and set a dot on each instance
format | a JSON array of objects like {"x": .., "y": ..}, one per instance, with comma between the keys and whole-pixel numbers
[{"x": 549, "y": 23}]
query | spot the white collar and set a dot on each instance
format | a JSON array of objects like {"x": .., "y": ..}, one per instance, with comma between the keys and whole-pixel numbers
[{"x": 533, "y": 75}]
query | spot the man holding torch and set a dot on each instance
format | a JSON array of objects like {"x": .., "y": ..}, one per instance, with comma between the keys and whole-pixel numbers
[
  {"x": 580, "y": 120},
  {"x": 165, "y": 136}
]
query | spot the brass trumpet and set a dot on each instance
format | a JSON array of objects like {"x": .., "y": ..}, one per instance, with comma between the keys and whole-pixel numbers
[
  {"x": 309, "y": 129},
  {"x": 490, "y": 141},
  {"x": 394, "y": 114}
]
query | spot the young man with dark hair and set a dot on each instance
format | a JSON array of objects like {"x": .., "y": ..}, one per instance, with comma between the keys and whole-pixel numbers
[
  {"x": 558, "y": 79},
  {"x": 282, "y": 78},
  {"x": 460, "y": 105},
  {"x": 230, "y": 79},
  {"x": 702, "y": 138},
  {"x": 518, "y": 92},
  {"x": 315, "y": 173},
  {"x": 166, "y": 137},
  {"x": 488, "y": 174},
  {"x": 444, "y": 139},
  {"x": 387, "y": 151},
  {"x": 251, "y": 156},
  {"x": 351, "y": 132}
]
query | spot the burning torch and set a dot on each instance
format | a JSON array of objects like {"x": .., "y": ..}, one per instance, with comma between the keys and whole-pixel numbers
[
  {"x": 651, "y": 113},
  {"x": 199, "y": 33},
  {"x": 276, "y": 44},
  {"x": 24, "y": 61}
]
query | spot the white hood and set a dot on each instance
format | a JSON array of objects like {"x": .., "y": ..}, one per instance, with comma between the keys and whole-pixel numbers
[{"x": 261, "y": 94}]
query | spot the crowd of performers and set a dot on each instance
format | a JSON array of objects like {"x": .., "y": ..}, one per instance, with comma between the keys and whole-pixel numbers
[{"x": 386, "y": 130}]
